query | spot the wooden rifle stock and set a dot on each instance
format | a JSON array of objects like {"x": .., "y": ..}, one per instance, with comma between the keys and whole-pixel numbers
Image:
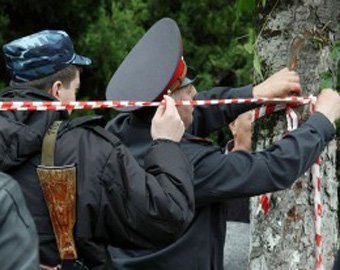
[{"x": 58, "y": 184}]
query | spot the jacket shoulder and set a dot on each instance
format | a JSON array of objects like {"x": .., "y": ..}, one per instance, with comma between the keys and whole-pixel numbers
[
  {"x": 91, "y": 124},
  {"x": 85, "y": 121},
  {"x": 194, "y": 139}
]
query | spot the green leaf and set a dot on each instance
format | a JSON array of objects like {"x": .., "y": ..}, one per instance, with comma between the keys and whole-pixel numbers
[
  {"x": 247, "y": 6},
  {"x": 326, "y": 80},
  {"x": 264, "y": 2},
  {"x": 257, "y": 65},
  {"x": 2, "y": 85},
  {"x": 249, "y": 47},
  {"x": 335, "y": 52}
]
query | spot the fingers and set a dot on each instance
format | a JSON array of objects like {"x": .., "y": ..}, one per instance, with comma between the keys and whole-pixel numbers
[
  {"x": 328, "y": 90},
  {"x": 167, "y": 124},
  {"x": 160, "y": 110},
  {"x": 170, "y": 107},
  {"x": 281, "y": 84},
  {"x": 294, "y": 77},
  {"x": 328, "y": 93},
  {"x": 166, "y": 108},
  {"x": 328, "y": 103},
  {"x": 295, "y": 88},
  {"x": 290, "y": 75}
]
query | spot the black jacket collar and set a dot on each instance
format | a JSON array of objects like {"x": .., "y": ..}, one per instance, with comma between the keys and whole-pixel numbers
[{"x": 22, "y": 132}]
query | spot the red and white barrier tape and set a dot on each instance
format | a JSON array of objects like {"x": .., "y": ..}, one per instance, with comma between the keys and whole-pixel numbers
[
  {"x": 315, "y": 171},
  {"x": 87, "y": 105},
  {"x": 268, "y": 109},
  {"x": 318, "y": 214}
]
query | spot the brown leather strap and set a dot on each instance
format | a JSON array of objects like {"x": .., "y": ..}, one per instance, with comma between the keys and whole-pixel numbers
[{"x": 48, "y": 147}]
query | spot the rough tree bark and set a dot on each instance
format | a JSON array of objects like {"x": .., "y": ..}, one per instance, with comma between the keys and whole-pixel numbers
[{"x": 285, "y": 238}]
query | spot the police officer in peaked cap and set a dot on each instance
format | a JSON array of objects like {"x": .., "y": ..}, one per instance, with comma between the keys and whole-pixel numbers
[{"x": 156, "y": 66}]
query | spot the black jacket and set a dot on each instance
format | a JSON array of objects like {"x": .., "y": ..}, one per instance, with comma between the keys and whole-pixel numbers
[
  {"x": 18, "y": 235},
  {"x": 118, "y": 202},
  {"x": 218, "y": 177}
]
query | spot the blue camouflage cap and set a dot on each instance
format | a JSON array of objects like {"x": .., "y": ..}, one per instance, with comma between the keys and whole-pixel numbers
[{"x": 40, "y": 54}]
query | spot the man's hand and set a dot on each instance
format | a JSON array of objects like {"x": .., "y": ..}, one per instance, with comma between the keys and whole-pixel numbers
[
  {"x": 328, "y": 103},
  {"x": 281, "y": 84},
  {"x": 242, "y": 131},
  {"x": 166, "y": 123}
]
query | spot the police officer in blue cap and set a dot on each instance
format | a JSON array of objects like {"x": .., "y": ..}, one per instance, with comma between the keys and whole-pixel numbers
[
  {"x": 117, "y": 202},
  {"x": 155, "y": 66}
]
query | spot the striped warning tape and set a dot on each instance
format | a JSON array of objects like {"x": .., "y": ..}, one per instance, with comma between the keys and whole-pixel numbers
[{"x": 89, "y": 105}]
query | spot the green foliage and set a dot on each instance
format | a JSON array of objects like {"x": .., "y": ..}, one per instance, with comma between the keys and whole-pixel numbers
[
  {"x": 335, "y": 56},
  {"x": 2, "y": 85},
  {"x": 18, "y": 18},
  {"x": 108, "y": 40},
  {"x": 214, "y": 34},
  {"x": 326, "y": 80},
  {"x": 3, "y": 25},
  {"x": 335, "y": 51},
  {"x": 257, "y": 66},
  {"x": 245, "y": 6},
  {"x": 218, "y": 35}
]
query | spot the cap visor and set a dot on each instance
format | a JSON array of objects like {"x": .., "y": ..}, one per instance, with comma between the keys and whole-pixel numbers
[
  {"x": 186, "y": 82},
  {"x": 190, "y": 77},
  {"x": 81, "y": 60}
]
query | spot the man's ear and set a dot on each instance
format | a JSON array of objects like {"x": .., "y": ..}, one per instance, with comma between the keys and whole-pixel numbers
[
  {"x": 232, "y": 128},
  {"x": 54, "y": 90}
]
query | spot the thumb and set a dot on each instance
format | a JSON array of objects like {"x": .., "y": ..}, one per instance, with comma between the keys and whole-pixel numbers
[
  {"x": 170, "y": 108},
  {"x": 160, "y": 110}
]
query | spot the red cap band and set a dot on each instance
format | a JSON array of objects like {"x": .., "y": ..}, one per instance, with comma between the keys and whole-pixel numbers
[{"x": 176, "y": 79}]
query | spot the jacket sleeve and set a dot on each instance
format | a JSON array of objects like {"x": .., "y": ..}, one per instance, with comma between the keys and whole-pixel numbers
[
  {"x": 210, "y": 118},
  {"x": 146, "y": 208},
  {"x": 239, "y": 173}
]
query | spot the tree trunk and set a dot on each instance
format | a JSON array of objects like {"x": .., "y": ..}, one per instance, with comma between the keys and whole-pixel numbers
[{"x": 285, "y": 237}]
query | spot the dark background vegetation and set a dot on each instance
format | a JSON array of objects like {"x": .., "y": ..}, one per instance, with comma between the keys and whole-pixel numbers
[{"x": 217, "y": 35}]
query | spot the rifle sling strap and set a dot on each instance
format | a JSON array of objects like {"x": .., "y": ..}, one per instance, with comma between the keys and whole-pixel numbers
[{"x": 48, "y": 147}]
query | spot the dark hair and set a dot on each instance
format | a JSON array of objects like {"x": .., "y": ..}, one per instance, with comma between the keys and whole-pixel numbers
[{"x": 65, "y": 75}]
